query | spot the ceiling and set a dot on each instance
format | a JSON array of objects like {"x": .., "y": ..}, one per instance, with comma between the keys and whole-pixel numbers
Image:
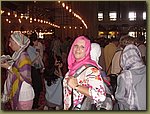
[
  {"x": 47, "y": 10},
  {"x": 52, "y": 10},
  {"x": 39, "y": 8}
]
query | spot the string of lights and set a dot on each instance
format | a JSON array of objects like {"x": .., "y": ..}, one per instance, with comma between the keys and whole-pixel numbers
[
  {"x": 25, "y": 16},
  {"x": 73, "y": 13}
]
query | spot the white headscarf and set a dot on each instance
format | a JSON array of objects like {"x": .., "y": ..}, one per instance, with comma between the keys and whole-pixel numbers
[
  {"x": 95, "y": 53},
  {"x": 22, "y": 41}
]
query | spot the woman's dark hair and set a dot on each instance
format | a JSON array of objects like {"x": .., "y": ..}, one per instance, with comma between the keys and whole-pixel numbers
[
  {"x": 33, "y": 37},
  {"x": 59, "y": 58},
  {"x": 49, "y": 75},
  {"x": 141, "y": 38}
]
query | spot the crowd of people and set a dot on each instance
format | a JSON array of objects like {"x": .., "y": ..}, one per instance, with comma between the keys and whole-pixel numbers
[{"x": 78, "y": 74}]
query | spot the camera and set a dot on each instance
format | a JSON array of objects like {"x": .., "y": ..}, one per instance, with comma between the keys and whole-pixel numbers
[
  {"x": 6, "y": 58},
  {"x": 58, "y": 62}
]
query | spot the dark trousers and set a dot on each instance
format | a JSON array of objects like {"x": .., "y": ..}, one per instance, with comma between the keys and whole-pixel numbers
[{"x": 37, "y": 85}]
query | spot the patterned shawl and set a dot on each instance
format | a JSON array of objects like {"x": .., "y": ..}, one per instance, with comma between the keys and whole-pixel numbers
[
  {"x": 130, "y": 59},
  {"x": 130, "y": 96}
]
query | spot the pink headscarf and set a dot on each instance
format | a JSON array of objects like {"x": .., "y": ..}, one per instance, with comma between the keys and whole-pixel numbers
[{"x": 73, "y": 65}]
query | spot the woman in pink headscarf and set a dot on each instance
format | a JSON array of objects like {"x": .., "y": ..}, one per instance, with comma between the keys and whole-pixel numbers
[{"x": 89, "y": 82}]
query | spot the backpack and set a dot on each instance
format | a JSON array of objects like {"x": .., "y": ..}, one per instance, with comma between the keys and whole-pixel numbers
[{"x": 87, "y": 103}]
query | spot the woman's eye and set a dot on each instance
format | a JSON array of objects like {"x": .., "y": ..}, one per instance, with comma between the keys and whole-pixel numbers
[
  {"x": 82, "y": 47},
  {"x": 75, "y": 45}
]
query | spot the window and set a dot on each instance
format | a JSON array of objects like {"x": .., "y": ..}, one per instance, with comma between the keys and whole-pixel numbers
[
  {"x": 100, "y": 16},
  {"x": 144, "y": 15},
  {"x": 132, "y": 33},
  {"x": 113, "y": 16},
  {"x": 132, "y": 16}
]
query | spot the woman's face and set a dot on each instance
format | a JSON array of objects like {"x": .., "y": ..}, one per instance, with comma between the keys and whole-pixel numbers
[
  {"x": 35, "y": 43},
  {"x": 13, "y": 45},
  {"x": 79, "y": 50}
]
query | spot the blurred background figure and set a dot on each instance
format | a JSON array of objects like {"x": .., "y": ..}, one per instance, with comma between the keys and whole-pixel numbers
[
  {"x": 36, "y": 69},
  {"x": 53, "y": 84},
  {"x": 109, "y": 52},
  {"x": 142, "y": 47}
]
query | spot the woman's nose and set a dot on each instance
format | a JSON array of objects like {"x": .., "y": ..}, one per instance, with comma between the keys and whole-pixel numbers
[{"x": 78, "y": 48}]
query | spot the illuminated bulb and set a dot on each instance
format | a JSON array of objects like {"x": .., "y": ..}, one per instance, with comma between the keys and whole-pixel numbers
[
  {"x": 70, "y": 10},
  {"x": 66, "y": 7},
  {"x": 63, "y": 4},
  {"x": 15, "y": 15},
  {"x": 8, "y": 13}
]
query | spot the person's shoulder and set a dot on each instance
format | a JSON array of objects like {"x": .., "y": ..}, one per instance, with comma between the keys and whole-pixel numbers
[
  {"x": 125, "y": 73},
  {"x": 92, "y": 70},
  {"x": 40, "y": 44},
  {"x": 24, "y": 56},
  {"x": 31, "y": 48},
  {"x": 24, "y": 53},
  {"x": 141, "y": 46}
]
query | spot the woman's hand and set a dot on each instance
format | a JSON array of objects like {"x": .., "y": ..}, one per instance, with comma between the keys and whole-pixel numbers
[
  {"x": 72, "y": 82},
  {"x": 5, "y": 64},
  {"x": 60, "y": 65}
]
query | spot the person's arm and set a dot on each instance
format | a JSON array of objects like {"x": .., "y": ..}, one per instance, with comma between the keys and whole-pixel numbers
[
  {"x": 120, "y": 92},
  {"x": 58, "y": 70},
  {"x": 95, "y": 86},
  {"x": 6, "y": 65},
  {"x": 73, "y": 83}
]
